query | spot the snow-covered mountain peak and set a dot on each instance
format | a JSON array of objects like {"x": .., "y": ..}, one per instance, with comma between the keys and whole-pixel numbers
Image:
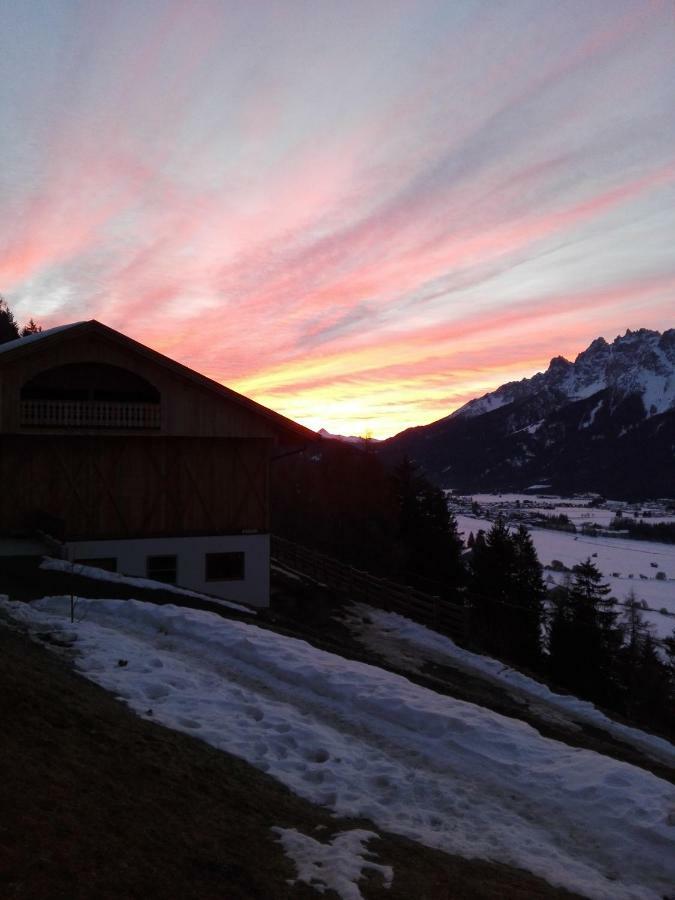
[
  {"x": 559, "y": 365},
  {"x": 640, "y": 363}
]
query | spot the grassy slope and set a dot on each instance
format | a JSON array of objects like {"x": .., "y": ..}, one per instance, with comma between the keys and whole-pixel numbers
[{"x": 99, "y": 803}]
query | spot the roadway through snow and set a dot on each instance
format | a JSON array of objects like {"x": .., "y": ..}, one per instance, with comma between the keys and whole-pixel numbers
[{"x": 369, "y": 743}]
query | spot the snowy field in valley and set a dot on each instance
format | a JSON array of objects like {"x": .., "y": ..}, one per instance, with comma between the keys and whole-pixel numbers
[
  {"x": 617, "y": 558},
  {"x": 576, "y": 509},
  {"x": 582, "y": 515},
  {"x": 366, "y": 742}
]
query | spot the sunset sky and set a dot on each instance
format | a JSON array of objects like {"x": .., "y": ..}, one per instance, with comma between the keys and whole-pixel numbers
[{"x": 362, "y": 214}]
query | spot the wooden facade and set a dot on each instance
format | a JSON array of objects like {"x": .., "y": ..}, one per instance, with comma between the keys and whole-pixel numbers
[
  {"x": 190, "y": 404},
  {"x": 175, "y": 454},
  {"x": 101, "y": 487}
]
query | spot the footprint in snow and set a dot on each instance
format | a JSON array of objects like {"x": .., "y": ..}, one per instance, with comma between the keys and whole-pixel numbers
[
  {"x": 189, "y": 723},
  {"x": 318, "y": 756},
  {"x": 313, "y": 776},
  {"x": 156, "y": 691}
]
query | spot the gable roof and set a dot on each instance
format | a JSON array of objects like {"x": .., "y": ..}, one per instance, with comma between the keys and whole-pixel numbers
[
  {"x": 20, "y": 342},
  {"x": 35, "y": 342}
]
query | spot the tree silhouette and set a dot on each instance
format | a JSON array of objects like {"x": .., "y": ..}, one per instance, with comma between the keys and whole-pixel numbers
[
  {"x": 9, "y": 330},
  {"x": 31, "y": 328},
  {"x": 584, "y": 637}
]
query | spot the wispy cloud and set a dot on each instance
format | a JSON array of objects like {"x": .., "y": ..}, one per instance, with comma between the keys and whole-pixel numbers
[{"x": 362, "y": 216}]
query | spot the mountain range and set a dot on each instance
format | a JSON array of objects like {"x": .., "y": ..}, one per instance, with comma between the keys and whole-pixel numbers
[
  {"x": 347, "y": 439},
  {"x": 603, "y": 423}
]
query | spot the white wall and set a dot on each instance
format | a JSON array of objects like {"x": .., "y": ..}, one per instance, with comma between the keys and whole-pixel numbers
[{"x": 131, "y": 556}]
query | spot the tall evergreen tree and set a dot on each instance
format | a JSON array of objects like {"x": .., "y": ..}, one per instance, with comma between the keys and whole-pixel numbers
[
  {"x": 9, "y": 330},
  {"x": 654, "y": 698},
  {"x": 635, "y": 632},
  {"x": 635, "y": 627},
  {"x": 528, "y": 592},
  {"x": 493, "y": 571},
  {"x": 669, "y": 647},
  {"x": 561, "y": 633},
  {"x": 585, "y": 638},
  {"x": 507, "y": 593},
  {"x": 429, "y": 540}
]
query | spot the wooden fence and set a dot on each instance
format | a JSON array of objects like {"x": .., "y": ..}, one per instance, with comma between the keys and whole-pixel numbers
[{"x": 427, "y": 609}]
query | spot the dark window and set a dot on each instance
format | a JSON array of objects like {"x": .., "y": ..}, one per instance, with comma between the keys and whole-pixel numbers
[
  {"x": 90, "y": 381},
  {"x": 109, "y": 563},
  {"x": 162, "y": 568},
  {"x": 224, "y": 566}
]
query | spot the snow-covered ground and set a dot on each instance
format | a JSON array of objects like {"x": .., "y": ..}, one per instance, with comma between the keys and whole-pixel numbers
[
  {"x": 336, "y": 866},
  {"x": 582, "y": 515},
  {"x": 639, "y": 559},
  {"x": 404, "y": 642},
  {"x": 366, "y": 742},
  {"x": 577, "y": 509},
  {"x": 530, "y": 498},
  {"x": 63, "y": 565}
]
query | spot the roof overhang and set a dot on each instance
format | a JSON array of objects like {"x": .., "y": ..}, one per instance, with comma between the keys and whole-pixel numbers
[{"x": 36, "y": 343}]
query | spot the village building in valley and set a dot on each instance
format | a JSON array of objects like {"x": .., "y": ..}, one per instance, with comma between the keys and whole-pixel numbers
[{"x": 127, "y": 460}]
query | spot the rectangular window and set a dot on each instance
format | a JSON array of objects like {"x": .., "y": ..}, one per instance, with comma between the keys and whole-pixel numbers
[
  {"x": 162, "y": 568},
  {"x": 225, "y": 566},
  {"x": 109, "y": 563}
]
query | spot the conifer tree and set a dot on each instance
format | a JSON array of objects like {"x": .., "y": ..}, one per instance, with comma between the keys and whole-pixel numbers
[
  {"x": 493, "y": 571},
  {"x": 31, "y": 328},
  {"x": 654, "y": 696},
  {"x": 527, "y": 595},
  {"x": 635, "y": 631},
  {"x": 9, "y": 330},
  {"x": 584, "y": 638},
  {"x": 428, "y": 535},
  {"x": 561, "y": 634},
  {"x": 669, "y": 647},
  {"x": 479, "y": 540}
]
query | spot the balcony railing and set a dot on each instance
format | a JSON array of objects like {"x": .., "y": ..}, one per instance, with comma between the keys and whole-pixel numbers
[{"x": 89, "y": 414}]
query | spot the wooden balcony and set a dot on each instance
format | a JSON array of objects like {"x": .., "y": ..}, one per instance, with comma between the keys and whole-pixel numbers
[{"x": 90, "y": 415}]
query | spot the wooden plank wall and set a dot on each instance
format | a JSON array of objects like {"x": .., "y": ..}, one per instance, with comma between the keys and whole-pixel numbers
[{"x": 102, "y": 486}]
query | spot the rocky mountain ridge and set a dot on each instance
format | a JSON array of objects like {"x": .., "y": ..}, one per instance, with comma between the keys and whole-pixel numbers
[
  {"x": 639, "y": 362},
  {"x": 605, "y": 423}
]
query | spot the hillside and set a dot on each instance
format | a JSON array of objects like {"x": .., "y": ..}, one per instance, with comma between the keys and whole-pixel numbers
[
  {"x": 373, "y": 745},
  {"x": 98, "y": 802},
  {"x": 603, "y": 423}
]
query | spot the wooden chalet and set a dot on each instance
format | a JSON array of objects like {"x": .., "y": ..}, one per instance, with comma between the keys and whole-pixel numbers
[{"x": 135, "y": 463}]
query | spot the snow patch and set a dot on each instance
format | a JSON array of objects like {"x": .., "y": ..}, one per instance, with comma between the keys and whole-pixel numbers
[
  {"x": 335, "y": 866},
  {"x": 63, "y": 565},
  {"x": 368, "y": 743},
  {"x": 418, "y": 637}
]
